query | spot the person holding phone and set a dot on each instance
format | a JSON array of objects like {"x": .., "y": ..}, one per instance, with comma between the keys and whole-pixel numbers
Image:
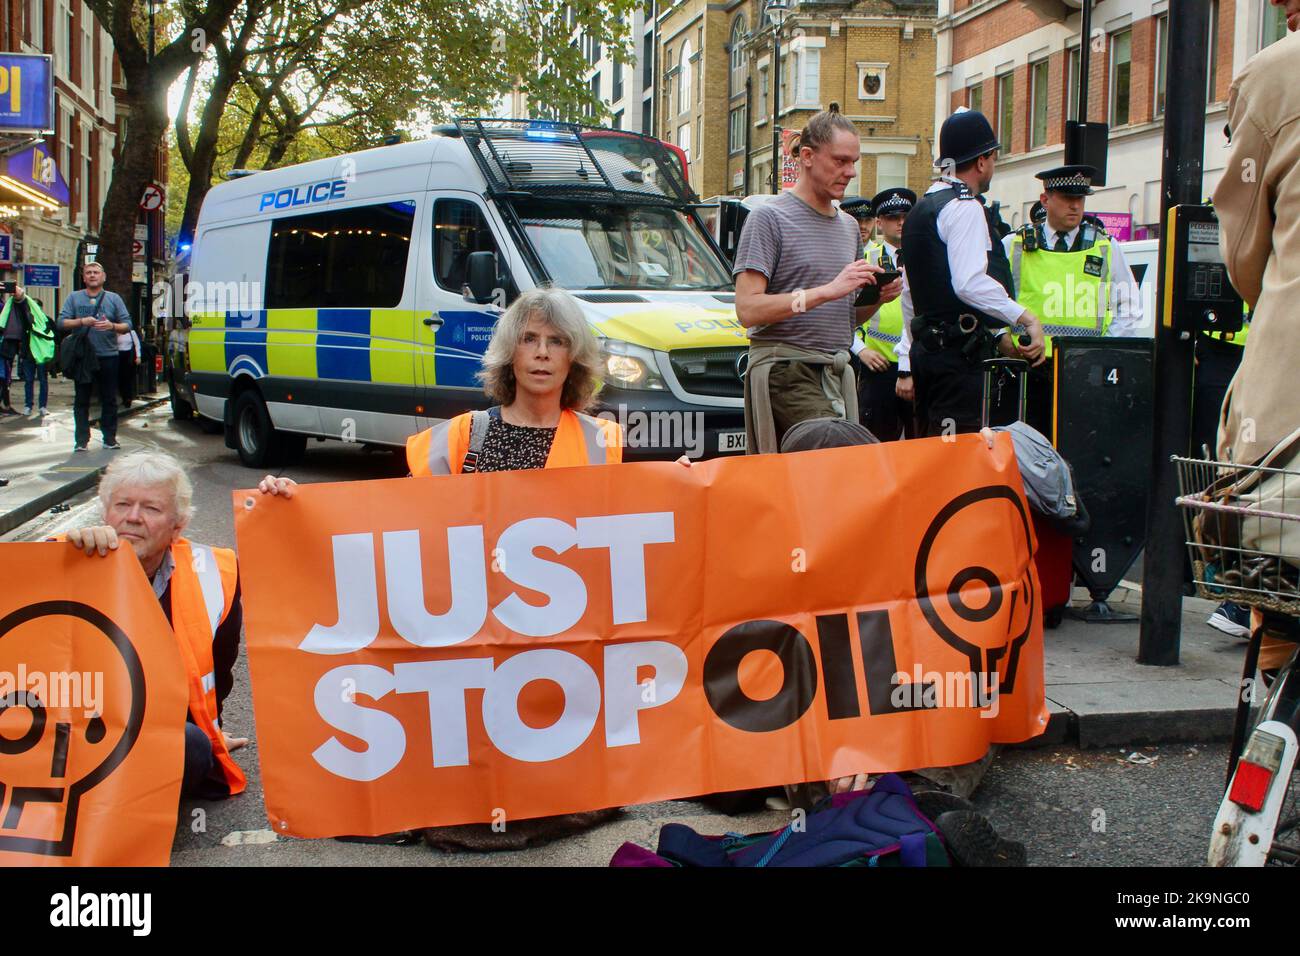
[
  {"x": 884, "y": 412},
  {"x": 104, "y": 317}
]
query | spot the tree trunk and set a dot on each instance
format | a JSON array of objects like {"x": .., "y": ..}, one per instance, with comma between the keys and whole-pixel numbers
[{"x": 131, "y": 174}]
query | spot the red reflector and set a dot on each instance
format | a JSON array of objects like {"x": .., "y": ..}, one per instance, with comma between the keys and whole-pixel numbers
[
  {"x": 1250, "y": 785},
  {"x": 157, "y": 364}
]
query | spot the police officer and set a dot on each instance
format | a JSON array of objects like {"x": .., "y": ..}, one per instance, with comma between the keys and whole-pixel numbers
[
  {"x": 860, "y": 209},
  {"x": 885, "y": 413},
  {"x": 1071, "y": 274},
  {"x": 958, "y": 305}
]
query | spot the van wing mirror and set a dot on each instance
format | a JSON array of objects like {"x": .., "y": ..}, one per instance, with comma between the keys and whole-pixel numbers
[{"x": 481, "y": 277}]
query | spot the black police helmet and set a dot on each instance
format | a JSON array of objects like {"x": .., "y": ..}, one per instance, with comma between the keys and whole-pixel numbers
[{"x": 965, "y": 135}]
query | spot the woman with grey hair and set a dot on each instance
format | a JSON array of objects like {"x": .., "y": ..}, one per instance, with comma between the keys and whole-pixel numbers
[{"x": 542, "y": 368}]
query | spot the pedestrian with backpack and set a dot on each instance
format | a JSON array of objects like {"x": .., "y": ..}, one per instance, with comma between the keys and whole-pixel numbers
[
  {"x": 35, "y": 346},
  {"x": 103, "y": 317}
]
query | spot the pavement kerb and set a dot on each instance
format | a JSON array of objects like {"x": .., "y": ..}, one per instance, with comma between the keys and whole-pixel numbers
[{"x": 73, "y": 486}]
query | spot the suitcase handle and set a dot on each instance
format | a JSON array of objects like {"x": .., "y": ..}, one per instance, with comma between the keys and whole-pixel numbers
[{"x": 996, "y": 368}]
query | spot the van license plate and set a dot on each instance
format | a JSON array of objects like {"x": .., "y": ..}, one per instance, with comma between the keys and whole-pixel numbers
[{"x": 730, "y": 442}]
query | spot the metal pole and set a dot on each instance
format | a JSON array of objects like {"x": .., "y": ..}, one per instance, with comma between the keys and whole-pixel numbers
[
  {"x": 1184, "y": 145},
  {"x": 147, "y": 310},
  {"x": 749, "y": 129},
  {"x": 776, "y": 106},
  {"x": 1085, "y": 43}
]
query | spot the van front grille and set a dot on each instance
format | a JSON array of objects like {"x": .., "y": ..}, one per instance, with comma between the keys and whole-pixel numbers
[{"x": 709, "y": 372}]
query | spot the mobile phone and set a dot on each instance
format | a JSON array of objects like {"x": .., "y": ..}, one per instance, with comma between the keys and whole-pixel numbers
[
  {"x": 870, "y": 294},
  {"x": 9, "y": 288}
]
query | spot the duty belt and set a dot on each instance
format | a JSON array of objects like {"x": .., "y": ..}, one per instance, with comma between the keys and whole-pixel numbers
[{"x": 964, "y": 331}]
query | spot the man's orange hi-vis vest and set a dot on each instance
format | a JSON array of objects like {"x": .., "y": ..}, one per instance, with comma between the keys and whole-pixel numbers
[
  {"x": 579, "y": 440},
  {"x": 203, "y": 588}
]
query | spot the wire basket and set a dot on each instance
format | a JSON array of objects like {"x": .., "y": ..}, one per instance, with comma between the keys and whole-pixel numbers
[{"x": 1243, "y": 532}]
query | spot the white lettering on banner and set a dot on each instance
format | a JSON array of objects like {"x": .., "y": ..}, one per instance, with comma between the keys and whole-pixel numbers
[
  {"x": 358, "y": 622},
  {"x": 404, "y": 572},
  {"x": 560, "y": 583},
  {"x": 357, "y": 593},
  {"x": 382, "y": 732},
  {"x": 446, "y": 682}
]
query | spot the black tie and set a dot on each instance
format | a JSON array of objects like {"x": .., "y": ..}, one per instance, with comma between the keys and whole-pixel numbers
[{"x": 1061, "y": 244}]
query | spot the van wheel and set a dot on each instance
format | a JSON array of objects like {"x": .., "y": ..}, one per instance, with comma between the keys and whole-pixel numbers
[
  {"x": 256, "y": 440},
  {"x": 182, "y": 410}
]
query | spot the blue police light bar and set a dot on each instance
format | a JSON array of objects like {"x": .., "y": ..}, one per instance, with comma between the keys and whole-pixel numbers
[{"x": 551, "y": 133}]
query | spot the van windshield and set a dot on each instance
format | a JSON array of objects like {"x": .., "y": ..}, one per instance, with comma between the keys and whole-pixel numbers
[{"x": 595, "y": 246}]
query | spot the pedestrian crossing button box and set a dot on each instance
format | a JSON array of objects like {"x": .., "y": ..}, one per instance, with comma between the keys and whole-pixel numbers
[{"x": 1197, "y": 296}]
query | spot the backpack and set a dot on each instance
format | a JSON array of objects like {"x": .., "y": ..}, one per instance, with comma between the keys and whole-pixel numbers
[
  {"x": 1048, "y": 479},
  {"x": 877, "y": 827},
  {"x": 77, "y": 358}
]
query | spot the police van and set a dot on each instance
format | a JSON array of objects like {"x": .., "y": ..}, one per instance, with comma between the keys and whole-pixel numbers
[{"x": 353, "y": 297}]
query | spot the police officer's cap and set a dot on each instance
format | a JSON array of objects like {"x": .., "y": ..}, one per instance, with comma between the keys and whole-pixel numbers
[
  {"x": 895, "y": 201},
  {"x": 1069, "y": 180},
  {"x": 965, "y": 135},
  {"x": 1037, "y": 212},
  {"x": 859, "y": 207}
]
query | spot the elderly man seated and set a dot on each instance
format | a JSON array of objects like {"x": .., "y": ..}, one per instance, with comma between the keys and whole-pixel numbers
[{"x": 146, "y": 499}]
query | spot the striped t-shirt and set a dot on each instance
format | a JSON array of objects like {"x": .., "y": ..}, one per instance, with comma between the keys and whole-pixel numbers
[{"x": 797, "y": 247}]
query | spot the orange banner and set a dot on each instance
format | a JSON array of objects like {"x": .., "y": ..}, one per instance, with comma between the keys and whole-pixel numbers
[
  {"x": 92, "y": 711},
  {"x": 487, "y": 647}
]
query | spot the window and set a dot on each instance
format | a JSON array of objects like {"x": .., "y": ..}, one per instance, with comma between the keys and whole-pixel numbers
[
  {"x": 763, "y": 108},
  {"x": 783, "y": 77},
  {"x": 975, "y": 97},
  {"x": 36, "y": 23},
  {"x": 684, "y": 139},
  {"x": 736, "y": 82},
  {"x": 871, "y": 81},
  {"x": 736, "y": 135},
  {"x": 345, "y": 258},
  {"x": 458, "y": 229},
  {"x": 595, "y": 95},
  {"x": 87, "y": 177},
  {"x": 891, "y": 171},
  {"x": 618, "y": 81},
  {"x": 1213, "y": 45},
  {"x": 87, "y": 57},
  {"x": 65, "y": 141},
  {"x": 618, "y": 120},
  {"x": 810, "y": 77},
  {"x": 648, "y": 60},
  {"x": 1120, "y": 69},
  {"x": 1072, "y": 86},
  {"x": 1038, "y": 104},
  {"x": 684, "y": 79},
  {"x": 63, "y": 43},
  {"x": 1006, "y": 109},
  {"x": 1274, "y": 25},
  {"x": 646, "y": 126},
  {"x": 1162, "y": 64}
]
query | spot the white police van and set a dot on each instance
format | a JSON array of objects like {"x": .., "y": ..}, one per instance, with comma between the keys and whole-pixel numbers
[{"x": 353, "y": 297}]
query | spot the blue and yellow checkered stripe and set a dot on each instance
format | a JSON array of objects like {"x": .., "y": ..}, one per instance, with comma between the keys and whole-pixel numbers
[{"x": 355, "y": 345}]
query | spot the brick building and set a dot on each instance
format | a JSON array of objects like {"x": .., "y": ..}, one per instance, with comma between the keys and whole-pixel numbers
[
  {"x": 88, "y": 120},
  {"x": 1018, "y": 62},
  {"x": 875, "y": 58}
]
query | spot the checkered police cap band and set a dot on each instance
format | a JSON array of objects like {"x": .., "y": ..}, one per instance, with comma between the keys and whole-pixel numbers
[
  {"x": 894, "y": 204},
  {"x": 1072, "y": 181}
]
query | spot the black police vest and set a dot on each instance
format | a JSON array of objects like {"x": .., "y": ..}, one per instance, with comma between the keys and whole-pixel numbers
[{"x": 926, "y": 255}]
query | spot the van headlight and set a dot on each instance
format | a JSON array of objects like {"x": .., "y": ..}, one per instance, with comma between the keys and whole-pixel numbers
[{"x": 624, "y": 365}]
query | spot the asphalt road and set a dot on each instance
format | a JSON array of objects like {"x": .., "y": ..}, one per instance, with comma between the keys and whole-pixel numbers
[{"x": 1089, "y": 808}]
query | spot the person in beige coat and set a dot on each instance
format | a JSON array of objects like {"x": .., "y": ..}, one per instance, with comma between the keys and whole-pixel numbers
[{"x": 1258, "y": 203}]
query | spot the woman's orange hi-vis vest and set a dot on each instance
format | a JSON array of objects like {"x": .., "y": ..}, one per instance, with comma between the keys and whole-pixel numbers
[
  {"x": 579, "y": 440},
  {"x": 202, "y": 590}
]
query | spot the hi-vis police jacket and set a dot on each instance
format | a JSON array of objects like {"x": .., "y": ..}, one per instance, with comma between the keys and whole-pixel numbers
[
  {"x": 1087, "y": 290},
  {"x": 202, "y": 594},
  {"x": 883, "y": 331},
  {"x": 579, "y": 440}
]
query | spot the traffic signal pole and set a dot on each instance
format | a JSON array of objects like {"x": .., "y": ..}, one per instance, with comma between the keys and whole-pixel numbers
[{"x": 1184, "y": 146}]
